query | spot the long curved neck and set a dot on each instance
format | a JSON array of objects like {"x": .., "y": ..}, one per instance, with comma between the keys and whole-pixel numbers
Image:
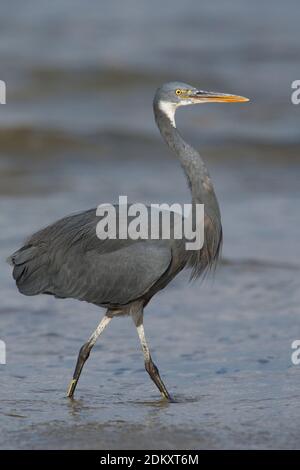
[{"x": 194, "y": 167}]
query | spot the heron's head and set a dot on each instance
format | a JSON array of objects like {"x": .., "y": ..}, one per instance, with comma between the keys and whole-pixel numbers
[{"x": 174, "y": 94}]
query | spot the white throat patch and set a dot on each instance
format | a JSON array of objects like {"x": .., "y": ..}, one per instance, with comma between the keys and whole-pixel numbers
[{"x": 169, "y": 110}]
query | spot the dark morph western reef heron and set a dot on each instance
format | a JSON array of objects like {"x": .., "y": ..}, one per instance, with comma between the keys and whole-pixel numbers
[{"x": 68, "y": 260}]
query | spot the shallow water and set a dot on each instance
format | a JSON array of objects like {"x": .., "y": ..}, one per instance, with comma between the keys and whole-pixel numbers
[
  {"x": 68, "y": 143},
  {"x": 223, "y": 349}
]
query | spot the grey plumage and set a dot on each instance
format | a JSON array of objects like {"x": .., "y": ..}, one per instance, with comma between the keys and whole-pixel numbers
[{"x": 67, "y": 259}]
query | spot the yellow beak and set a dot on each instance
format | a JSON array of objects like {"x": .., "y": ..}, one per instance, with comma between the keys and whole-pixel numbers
[{"x": 211, "y": 96}]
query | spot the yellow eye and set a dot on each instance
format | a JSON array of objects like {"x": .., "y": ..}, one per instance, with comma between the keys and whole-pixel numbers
[{"x": 178, "y": 92}]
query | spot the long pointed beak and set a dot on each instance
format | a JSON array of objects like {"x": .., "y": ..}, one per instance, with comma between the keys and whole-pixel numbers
[{"x": 211, "y": 96}]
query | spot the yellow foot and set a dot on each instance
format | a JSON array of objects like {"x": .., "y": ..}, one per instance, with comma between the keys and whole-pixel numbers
[{"x": 166, "y": 396}]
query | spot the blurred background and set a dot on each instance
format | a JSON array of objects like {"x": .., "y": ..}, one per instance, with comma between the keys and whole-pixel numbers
[{"x": 77, "y": 131}]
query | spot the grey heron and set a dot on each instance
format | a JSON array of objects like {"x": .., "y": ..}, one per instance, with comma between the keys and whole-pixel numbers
[{"x": 67, "y": 259}]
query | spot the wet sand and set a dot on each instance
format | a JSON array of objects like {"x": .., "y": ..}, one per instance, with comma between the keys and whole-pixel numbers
[
  {"x": 68, "y": 143},
  {"x": 223, "y": 347}
]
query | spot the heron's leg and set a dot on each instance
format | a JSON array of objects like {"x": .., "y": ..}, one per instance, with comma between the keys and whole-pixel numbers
[
  {"x": 85, "y": 352},
  {"x": 150, "y": 367}
]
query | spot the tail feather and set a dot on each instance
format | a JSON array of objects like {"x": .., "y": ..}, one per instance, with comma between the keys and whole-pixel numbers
[{"x": 30, "y": 269}]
